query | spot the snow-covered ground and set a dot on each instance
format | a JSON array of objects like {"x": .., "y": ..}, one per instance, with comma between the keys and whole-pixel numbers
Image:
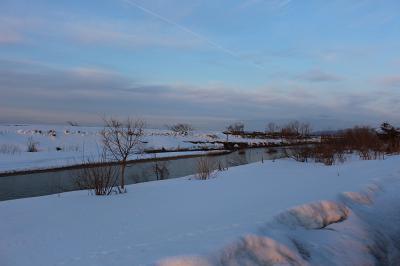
[
  {"x": 74, "y": 144},
  {"x": 204, "y": 220}
]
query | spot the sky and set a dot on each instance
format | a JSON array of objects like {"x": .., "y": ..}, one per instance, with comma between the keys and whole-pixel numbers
[{"x": 212, "y": 62}]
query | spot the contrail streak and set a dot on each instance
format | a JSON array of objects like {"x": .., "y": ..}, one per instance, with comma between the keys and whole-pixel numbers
[{"x": 187, "y": 30}]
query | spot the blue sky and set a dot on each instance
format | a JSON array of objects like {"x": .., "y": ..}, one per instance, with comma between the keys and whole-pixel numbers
[{"x": 331, "y": 63}]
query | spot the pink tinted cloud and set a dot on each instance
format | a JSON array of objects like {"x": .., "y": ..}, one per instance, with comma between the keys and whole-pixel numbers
[
  {"x": 10, "y": 37},
  {"x": 390, "y": 81}
]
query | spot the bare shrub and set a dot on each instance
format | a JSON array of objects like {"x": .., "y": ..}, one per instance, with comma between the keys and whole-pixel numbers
[
  {"x": 181, "y": 129},
  {"x": 9, "y": 149},
  {"x": 300, "y": 154},
  {"x": 333, "y": 148},
  {"x": 222, "y": 167},
  {"x": 122, "y": 139},
  {"x": 98, "y": 176},
  {"x": 328, "y": 154},
  {"x": 72, "y": 123},
  {"x": 32, "y": 145},
  {"x": 364, "y": 140},
  {"x": 205, "y": 168}
]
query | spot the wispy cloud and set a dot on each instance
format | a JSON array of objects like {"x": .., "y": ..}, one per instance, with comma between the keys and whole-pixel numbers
[
  {"x": 10, "y": 37},
  {"x": 129, "y": 35},
  {"x": 13, "y": 29},
  {"x": 95, "y": 91},
  {"x": 392, "y": 81},
  {"x": 195, "y": 34},
  {"x": 317, "y": 75}
]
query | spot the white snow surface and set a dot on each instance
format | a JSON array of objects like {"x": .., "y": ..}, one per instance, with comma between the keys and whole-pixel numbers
[
  {"x": 79, "y": 143},
  {"x": 247, "y": 215}
]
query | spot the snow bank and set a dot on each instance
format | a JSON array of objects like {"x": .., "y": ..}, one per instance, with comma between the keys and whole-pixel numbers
[
  {"x": 237, "y": 210},
  {"x": 65, "y": 145},
  {"x": 315, "y": 215},
  {"x": 365, "y": 232}
]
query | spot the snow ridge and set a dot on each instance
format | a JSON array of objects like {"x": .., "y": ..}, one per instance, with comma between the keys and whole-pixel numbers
[{"x": 360, "y": 228}]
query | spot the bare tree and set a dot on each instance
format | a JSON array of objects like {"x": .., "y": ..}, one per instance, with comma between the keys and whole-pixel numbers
[
  {"x": 305, "y": 130},
  {"x": 295, "y": 129},
  {"x": 122, "y": 139},
  {"x": 272, "y": 128},
  {"x": 236, "y": 128},
  {"x": 181, "y": 128}
]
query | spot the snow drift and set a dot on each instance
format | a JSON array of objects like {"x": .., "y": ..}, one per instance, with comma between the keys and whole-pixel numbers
[{"x": 360, "y": 228}]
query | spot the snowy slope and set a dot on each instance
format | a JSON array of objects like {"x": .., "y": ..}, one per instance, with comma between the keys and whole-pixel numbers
[{"x": 179, "y": 217}]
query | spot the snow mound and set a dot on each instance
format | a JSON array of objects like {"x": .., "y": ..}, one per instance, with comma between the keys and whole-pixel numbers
[
  {"x": 367, "y": 235},
  {"x": 249, "y": 250},
  {"x": 364, "y": 197},
  {"x": 358, "y": 197},
  {"x": 256, "y": 250},
  {"x": 314, "y": 216}
]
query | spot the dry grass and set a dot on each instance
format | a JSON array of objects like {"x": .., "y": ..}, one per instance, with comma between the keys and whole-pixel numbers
[
  {"x": 9, "y": 149},
  {"x": 32, "y": 145}
]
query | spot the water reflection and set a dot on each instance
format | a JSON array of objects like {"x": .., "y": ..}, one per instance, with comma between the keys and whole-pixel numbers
[{"x": 38, "y": 184}]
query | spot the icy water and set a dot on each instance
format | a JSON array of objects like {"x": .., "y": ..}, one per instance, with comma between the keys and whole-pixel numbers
[{"x": 57, "y": 181}]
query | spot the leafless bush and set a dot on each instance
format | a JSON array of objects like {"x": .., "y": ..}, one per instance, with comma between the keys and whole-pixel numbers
[
  {"x": 222, "y": 166},
  {"x": 98, "y": 176},
  {"x": 328, "y": 154},
  {"x": 205, "y": 168},
  {"x": 122, "y": 139},
  {"x": 32, "y": 145},
  {"x": 365, "y": 141},
  {"x": 300, "y": 154},
  {"x": 332, "y": 149},
  {"x": 181, "y": 129},
  {"x": 9, "y": 149}
]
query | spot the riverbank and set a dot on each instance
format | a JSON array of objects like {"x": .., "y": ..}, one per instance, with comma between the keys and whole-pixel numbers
[
  {"x": 34, "y": 183},
  {"x": 176, "y": 217},
  {"x": 63, "y": 146}
]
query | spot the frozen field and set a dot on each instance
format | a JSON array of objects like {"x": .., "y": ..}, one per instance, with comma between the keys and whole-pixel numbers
[
  {"x": 191, "y": 222},
  {"x": 66, "y": 145}
]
